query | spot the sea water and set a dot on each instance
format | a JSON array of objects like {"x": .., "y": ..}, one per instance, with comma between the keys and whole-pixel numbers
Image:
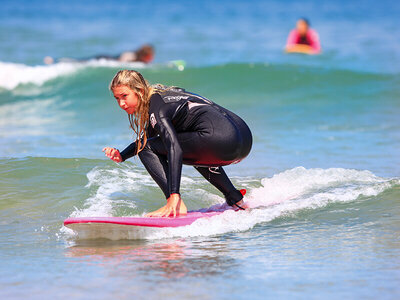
[{"x": 323, "y": 176}]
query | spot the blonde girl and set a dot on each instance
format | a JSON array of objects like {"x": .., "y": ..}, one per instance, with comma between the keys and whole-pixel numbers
[{"x": 175, "y": 127}]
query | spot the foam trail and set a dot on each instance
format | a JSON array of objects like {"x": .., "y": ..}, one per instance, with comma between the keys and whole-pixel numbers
[
  {"x": 301, "y": 182},
  {"x": 284, "y": 193}
]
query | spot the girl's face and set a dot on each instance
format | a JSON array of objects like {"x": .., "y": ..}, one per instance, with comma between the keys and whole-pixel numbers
[{"x": 127, "y": 99}]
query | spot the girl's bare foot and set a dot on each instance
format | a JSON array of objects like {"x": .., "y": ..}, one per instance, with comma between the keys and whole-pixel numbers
[{"x": 174, "y": 207}]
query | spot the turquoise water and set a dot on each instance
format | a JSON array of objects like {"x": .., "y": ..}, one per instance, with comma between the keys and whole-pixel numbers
[{"x": 323, "y": 173}]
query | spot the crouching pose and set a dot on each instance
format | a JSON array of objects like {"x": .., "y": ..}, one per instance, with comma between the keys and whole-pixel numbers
[{"x": 176, "y": 127}]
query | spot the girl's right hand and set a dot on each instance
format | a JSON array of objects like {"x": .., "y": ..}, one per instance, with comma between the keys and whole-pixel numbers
[{"x": 113, "y": 154}]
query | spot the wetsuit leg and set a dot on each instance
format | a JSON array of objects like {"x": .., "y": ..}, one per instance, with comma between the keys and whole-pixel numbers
[
  {"x": 216, "y": 140},
  {"x": 157, "y": 167},
  {"x": 218, "y": 178}
]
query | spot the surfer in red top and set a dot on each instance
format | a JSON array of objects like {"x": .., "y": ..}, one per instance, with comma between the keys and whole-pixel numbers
[{"x": 303, "y": 39}]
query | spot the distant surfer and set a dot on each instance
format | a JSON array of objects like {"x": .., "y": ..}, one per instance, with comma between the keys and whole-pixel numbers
[
  {"x": 144, "y": 54},
  {"x": 174, "y": 126},
  {"x": 303, "y": 39}
]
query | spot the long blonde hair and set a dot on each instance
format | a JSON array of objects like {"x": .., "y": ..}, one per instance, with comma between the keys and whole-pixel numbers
[{"x": 140, "y": 118}]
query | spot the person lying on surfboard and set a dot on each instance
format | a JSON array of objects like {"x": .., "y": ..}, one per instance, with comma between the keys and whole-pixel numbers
[
  {"x": 174, "y": 126},
  {"x": 303, "y": 39},
  {"x": 144, "y": 54}
]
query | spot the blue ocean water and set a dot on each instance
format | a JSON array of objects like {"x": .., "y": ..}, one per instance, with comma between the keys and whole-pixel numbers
[{"x": 324, "y": 167}]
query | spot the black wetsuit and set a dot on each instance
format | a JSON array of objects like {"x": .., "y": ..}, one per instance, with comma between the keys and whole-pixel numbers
[{"x": 187, "y": 128}]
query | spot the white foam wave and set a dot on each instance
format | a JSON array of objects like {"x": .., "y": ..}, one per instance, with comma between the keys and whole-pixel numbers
[
  {"x": 12, "y": 75},
  {"x": 284, "y": 193},
  {"x": 112, "y": 188},
  {"x": 287, "y": 193},
  {"x": 301, "y": 182}
]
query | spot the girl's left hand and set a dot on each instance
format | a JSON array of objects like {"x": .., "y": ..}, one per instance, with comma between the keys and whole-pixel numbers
[{"x": 113, "y": 154}]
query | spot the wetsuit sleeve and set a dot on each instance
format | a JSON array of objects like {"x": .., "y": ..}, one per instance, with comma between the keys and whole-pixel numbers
[
  {"x": 174, "y": 154},
  {"x": 129, "y": 151},
  {"x": 161, "y": 121}
]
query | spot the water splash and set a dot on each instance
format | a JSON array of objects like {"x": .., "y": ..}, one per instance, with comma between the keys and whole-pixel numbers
[{"x": 284, "y": 193}]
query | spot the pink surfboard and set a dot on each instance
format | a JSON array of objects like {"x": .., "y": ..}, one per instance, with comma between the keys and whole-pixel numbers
[
  {"x": 118, "y": 228},
  {"x": 143, "y": 221},
  {"x": 133, "y": 227}
]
